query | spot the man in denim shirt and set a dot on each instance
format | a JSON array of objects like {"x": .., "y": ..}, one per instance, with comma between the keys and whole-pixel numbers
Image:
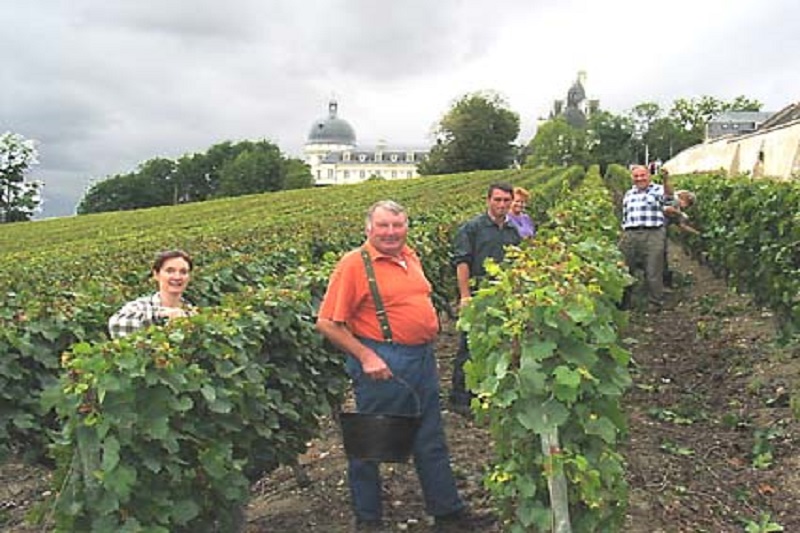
[{"x": 481, "y": 237}]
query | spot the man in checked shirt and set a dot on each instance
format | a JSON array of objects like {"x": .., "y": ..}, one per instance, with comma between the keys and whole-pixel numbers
[{"x": 644, "y": 233}]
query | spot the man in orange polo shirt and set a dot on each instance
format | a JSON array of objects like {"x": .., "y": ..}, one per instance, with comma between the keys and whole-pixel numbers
[{"x": 403, "y": 347}]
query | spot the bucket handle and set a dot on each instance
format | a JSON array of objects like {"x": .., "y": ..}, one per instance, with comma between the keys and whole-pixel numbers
[{"x": 403, "y": 382}]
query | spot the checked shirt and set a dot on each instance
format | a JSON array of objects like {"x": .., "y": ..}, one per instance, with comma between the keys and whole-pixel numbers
[
  {"x": 644, "y": 208},
  {"x": 135, "y": 315}
]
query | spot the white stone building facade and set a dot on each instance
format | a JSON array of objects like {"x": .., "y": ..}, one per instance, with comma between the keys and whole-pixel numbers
[{"x": 335, "y": 158}]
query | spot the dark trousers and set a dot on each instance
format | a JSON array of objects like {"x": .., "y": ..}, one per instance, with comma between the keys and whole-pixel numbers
[
  {"x": 644, "y": 249},
  {"x": 416, "y": 365},
  {"x": 459, "y": 395}
]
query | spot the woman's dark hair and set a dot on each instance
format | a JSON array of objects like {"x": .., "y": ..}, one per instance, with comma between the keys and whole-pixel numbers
[{"x": 162, "y": 257}]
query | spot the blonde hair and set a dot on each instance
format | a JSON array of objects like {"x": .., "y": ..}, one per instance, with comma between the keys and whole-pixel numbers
[{"x": 522, "y": 193}]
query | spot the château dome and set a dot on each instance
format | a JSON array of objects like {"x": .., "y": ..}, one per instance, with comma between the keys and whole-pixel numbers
[{"x": 332, "y": 130}]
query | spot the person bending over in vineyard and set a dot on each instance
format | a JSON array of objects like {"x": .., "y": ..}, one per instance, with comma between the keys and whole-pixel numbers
[
  {"x": 481, "y": 237},
  {"x": 644, "y": 233},
  {"x": 171, "y": 270},
  {"x": 676, "y": 215},
  {"x": 399, "y": 344},
  {"x": 676, "y": 210},
  {"x": 517, "y": 216}
]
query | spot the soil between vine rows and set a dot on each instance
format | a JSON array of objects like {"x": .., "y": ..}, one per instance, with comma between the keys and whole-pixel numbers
[{"x": 709, "y": 386}]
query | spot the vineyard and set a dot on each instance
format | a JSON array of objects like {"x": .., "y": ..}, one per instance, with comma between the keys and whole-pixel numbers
[{"x": 171, "y": 428}]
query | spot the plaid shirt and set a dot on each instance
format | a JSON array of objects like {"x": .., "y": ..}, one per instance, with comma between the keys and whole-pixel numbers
[
  {"x": 137, "y": 314},
  {"x": 643, "y": 208}
]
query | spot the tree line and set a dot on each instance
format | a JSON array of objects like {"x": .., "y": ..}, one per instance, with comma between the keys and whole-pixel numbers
[
  {"x": 478, "y": 132},
  {"x": 226, "y": 169}
]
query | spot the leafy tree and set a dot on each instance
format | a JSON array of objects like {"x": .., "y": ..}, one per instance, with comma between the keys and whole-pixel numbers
[
  {"x": 643, "y": 115},
  {"x": 609, "y": 139},
  {"x": 477, "y": 133},
  {"x": 298, "y": 175},
  {"x": 258, "y": 169},
  {"x": 660, "y": 135},
  {"x": 189, "y": 179},
  {"x": 159, "y": 174},
  {"x": 742, "y": 103},
  {"x": 556, "y": 143},
  {"x": 665, "y": 138},
  {"x": 226, "y": 169},
  {"x": 123, "y": 193},
  {"x": 18, "y": 198},
  {"x": 197, "y": 176},
  {"x": 211, "y": 165},
  {"x": 150, "y": 186},
  {"x": 694, "y": 114}
]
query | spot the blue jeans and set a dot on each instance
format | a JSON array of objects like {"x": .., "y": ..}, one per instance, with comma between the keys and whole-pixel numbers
[{"x": 416, "y": 365}]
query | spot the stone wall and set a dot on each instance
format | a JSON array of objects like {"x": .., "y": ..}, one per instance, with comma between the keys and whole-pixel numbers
[{"x": 774, "y": 152}]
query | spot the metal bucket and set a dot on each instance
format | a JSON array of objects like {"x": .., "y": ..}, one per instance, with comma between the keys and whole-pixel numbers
[{"x": 381, "y": 437}]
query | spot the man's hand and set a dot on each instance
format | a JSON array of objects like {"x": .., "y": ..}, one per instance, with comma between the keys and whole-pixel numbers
[{"x": 375, "y": 368}]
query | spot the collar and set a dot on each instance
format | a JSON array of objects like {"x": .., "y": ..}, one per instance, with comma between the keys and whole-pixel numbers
[
  {"x": 489, "y": 221},
  {"x": 155, "y": 300},
  {"x": 646, "y": 190}
]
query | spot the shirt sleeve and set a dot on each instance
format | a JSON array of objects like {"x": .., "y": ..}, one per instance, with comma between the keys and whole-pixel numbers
[
  {"x": 462, "y": 246},
  {"x": 659, "y": 194},
  {"x": 341, "y": 297},
  {"x": 531, "y": 225}
]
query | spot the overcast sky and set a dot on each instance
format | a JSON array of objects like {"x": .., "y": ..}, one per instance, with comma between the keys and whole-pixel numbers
[{"x": 103, "y": 86}]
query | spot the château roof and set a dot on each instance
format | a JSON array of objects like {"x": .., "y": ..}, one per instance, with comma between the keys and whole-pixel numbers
[{"x": 331, "y": 130}]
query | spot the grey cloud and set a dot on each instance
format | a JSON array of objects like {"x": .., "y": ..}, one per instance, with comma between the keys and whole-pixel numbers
[
  {"x": 107, "y": 85},
  {"x": 386, "y": 43}
]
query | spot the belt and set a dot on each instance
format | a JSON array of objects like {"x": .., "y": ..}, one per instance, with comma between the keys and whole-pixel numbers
[{"x": 643, "y": 228}]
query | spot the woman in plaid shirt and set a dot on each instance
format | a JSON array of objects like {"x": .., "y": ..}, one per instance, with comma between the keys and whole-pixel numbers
[{"x": 172, "y": 271}]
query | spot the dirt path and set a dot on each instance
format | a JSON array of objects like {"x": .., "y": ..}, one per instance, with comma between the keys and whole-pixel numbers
[{"x": 712, "y": 444}]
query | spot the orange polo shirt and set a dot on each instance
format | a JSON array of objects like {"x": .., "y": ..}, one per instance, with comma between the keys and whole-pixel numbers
[{"x": 405, "y": 291}]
